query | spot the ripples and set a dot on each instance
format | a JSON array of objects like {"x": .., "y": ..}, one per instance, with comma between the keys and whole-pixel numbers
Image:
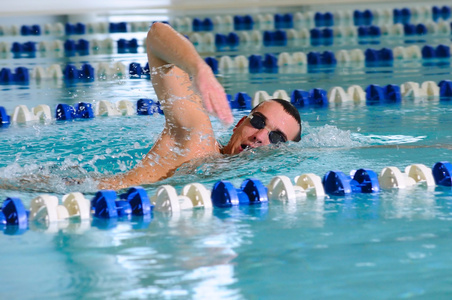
[
  {"x": 341, "y": 245},
  {"x": 327, "y": 136},
  {"x": 390, "y": 139}
]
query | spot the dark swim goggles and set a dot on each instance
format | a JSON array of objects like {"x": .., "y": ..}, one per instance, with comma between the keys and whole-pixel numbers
[{"x": 258, "y": 122}]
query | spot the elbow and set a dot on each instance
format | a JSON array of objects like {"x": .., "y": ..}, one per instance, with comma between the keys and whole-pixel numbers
[
  {"x": 153, "y": 32},
  {"x": 154, "y": 28}
]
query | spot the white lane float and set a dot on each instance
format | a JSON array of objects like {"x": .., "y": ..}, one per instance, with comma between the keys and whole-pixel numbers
[
  {"x": 259, "y": 96},
  {"x": 23, "y": 115},
  {"x": 411, "y": 90},
  {"x": 392, "y": 177},
  {"x": 337, "y": 95},
  {"x": 306, "y": 185},
  {"x": 431, "y": 88},
  {"x": 193, "y": 195},
  {"x": 311, "y": 184},
  {"x": 356, "y": 93}
]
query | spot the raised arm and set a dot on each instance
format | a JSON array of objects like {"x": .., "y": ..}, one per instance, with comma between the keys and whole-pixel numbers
[
  {"x": 186, "y": 88},
  {"x": 166, "y": 46}
]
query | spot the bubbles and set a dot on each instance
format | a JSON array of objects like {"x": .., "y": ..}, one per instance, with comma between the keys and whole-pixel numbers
[{"x": 327, "y": 136}]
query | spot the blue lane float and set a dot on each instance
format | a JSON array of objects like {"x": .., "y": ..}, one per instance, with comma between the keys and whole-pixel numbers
[
  {"x": 21, "y": 75},
  {"x": 82, "y": 110},
  {"x": 401, "y": 15},
  {"x": 441, "y": 13},
  {"x": 374, "y": 56},
  {"x": 245, "y": 22},
  {"x": 71, "y": 47},
  {"x": 275, "y": 38},
  {"x": 413, "y": 29},
  {"x": 362, "y": 17},
  {"x": 13, "y": 216},
  {"x": 241, "y": 101},
  {"x": 371, "y": 31},
  {"x": 137, "y": 71},
  {"x": 440, "y": 51},
  {"x": 376, "y": 94},
  {"x": 270, "y": 63},
  {"x": 23, "y": 48},
  {"x": 363, "y": 181},
  {"x": 314, "y": 97},
  {"x": 202, "y": 25},
  {"x": 283, "y": 21},
  {"x": 138, "y": 200},
  {"x": 325, "y": 58},
  {"x": 442, "y": 173},
  {"x": 318, "y": 97},
  {"x": 445, "y": 90},
  {"x": 221, "y": 41},
  {"x": 251, "y": 191},
  {"x": 320, "y": 36},
  {"x": 300, "y": 98},
  {"x": 212, "y": 62},
  {"x": 107, "y": 206},
  {"x": 255, "y": 64},
  {"x": 86, "y": 72},
  {"x": 135, "y": 202},
  {"x": 127, "y": 46},
  {"x": 148, "y": 107},
  {"x": 233, "y": 40},
  {"x": 324, "y": 19},
  {"x": 5, "y": 119},
  {"x": 120, "y": 27},
  {"x": 78, "y": 28},
  {"x": 30, "y": 30},
  {"x": 227, "y": 42}
]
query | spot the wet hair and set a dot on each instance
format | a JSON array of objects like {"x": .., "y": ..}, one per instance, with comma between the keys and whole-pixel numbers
[{"x": 291, "y": 110}]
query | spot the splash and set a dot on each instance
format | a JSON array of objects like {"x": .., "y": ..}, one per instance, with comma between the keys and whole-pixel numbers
[{"x": 327, "y": 136}]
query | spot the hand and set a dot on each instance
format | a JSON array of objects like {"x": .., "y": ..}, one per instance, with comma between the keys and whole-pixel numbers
[{"x": 212, "y": 94}]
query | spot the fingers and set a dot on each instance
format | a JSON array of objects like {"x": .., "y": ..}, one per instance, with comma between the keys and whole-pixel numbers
[
  {"x": 214, "y": 98},
  {"x": 208, "y": 104},
  {"x": 216, "y": 103},
  {"x": 223, "y": 110}
]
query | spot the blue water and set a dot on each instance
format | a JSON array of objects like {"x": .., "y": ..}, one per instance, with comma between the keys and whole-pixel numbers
[{"x": 394, "y": 244}]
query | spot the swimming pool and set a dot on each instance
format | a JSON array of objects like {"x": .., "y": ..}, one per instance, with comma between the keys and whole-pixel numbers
[{"x": 391, "y": 244}]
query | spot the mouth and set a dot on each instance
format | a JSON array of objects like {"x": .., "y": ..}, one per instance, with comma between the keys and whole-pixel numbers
[{"x": 244, "y": 147}]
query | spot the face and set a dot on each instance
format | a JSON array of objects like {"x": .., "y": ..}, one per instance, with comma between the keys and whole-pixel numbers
[{"x": 247, "y": 136}]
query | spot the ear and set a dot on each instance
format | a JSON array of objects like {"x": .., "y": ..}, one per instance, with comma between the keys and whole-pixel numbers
[{"x": 239, "y": 122}]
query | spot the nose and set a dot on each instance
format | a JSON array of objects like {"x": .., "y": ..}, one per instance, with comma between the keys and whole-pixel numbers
[{"x": 261, "y": 136}]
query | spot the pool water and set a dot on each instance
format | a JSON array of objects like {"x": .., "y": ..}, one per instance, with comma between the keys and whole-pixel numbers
[{"x": 392, "y": 244}]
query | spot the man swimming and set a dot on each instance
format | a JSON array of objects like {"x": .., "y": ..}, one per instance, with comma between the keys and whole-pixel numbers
[{"x": 188, "y": 90}]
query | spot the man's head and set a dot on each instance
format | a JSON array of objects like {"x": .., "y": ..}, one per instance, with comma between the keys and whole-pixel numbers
[{"x": 274, "y": 121}]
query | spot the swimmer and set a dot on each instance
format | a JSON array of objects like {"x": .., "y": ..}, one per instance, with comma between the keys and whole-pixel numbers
[{"x": 188, "y": 91}]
